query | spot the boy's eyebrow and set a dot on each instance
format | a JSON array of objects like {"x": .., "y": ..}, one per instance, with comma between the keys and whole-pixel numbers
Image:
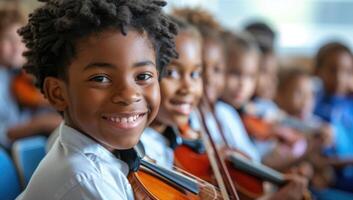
[
  {"x": 99, "y": 64},
  {"x": 109, "y": 65},
  {"x": 144, "y": 63}
]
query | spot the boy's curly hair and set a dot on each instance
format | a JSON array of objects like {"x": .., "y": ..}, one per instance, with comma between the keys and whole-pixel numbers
[{"x": 54, "y": 28}]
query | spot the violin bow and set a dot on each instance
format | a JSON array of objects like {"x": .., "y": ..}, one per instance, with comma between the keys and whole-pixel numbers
[{"x": 218, "y": 165}]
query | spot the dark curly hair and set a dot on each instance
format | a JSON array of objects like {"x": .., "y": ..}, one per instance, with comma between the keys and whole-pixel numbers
[
  {"x": 207, "y": 25},
  {"x": 54, "y": 28},
  {"x": 327, "y": 49},
  {"x": 264, "y": 35}
]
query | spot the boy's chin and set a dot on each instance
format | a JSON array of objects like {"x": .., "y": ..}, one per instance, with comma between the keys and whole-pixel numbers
[{"x": 123, "y": 145}]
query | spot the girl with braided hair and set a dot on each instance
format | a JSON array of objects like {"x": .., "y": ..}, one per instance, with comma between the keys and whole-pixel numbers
[{"x": 97, "y": 63}]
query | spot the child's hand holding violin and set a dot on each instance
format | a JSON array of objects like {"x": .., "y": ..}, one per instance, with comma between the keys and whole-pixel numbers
[{"x": 296, "y": 189}]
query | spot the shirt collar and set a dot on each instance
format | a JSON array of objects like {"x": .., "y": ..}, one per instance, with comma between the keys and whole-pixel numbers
[{"x": 74, "y": 139}]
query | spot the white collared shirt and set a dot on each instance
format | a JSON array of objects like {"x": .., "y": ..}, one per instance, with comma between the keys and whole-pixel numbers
[
  {"x": 157, "y": 148},
  {"x": 77, "y": 167}
]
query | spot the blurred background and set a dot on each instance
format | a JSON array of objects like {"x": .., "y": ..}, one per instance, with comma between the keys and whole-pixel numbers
[{"x": 302, "y": 26}]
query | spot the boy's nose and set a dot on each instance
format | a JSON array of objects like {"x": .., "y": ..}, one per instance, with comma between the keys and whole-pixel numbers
[{"x": 126, "y": 95}]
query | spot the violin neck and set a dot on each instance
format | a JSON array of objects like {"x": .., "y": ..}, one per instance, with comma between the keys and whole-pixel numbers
[
  {"x": 256, "y": 169},
  {"x": 175, "y": 178}
]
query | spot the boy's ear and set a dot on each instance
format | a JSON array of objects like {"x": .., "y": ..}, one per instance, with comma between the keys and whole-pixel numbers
[{"x": 55, "y": 92}]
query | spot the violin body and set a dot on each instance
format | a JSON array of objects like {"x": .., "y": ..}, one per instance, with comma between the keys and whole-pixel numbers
[
  {"x": 146, "y": 186},
  {"x": 256, "y": 127},
  {"x": 149, "y": 186},
  {"x": 248, "y": 187}
]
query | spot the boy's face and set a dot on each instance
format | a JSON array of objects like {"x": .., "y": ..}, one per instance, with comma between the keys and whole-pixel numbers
[
  {"x": 11, "y": 47},
  {"x": 214, "y": 66},
  {"x": 298, "y": 97},
  {"x": 267, "y": 79},
  {"x": 181, "y": 87},
  {"x": 112, "y": 91},
  {"x": 336, "y": 72},
  {"x": 241, "y": 78}
]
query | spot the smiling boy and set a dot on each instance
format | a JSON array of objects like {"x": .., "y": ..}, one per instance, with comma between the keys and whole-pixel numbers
[{"x": 97, "y": 63}]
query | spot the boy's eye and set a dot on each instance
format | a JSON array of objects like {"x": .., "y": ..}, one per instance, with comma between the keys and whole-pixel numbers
[
  {"x": 100, "y": 79},
  {"x": 172, "y": 73},
  {"x": 143, "y": 77}
]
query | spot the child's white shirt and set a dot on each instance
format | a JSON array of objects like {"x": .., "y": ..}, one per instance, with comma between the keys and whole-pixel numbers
[{"x": 77, "y": 167}]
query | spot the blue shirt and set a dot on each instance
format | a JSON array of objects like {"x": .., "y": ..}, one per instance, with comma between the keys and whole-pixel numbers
[
  {"x": 77, "y": 167},
  {"x": 339, "y": 111},
  {"x": 330, "y": 108}
]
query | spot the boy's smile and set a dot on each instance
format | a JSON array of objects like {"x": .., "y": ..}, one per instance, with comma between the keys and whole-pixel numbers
[
  {"x": 125, "y": 120},
  {"x": 112, "y": 92}
]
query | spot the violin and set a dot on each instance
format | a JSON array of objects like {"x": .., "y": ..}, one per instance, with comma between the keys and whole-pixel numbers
[
  {"x": 153, "y": 182},
  {"x": 262, "y": 129},
  {"x": 25, "y": 92}
]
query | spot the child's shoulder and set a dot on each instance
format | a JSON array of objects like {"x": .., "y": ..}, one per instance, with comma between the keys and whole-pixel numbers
[
  {"x": 225, "y": 110},
  {"x": 78, "y": 167}
]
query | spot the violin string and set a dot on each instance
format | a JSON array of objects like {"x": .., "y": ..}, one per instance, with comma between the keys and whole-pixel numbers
[{"x": 209, "y": 188}]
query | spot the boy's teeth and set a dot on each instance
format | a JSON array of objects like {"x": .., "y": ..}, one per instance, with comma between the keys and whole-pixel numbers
[{"x": 124, "y": 119}]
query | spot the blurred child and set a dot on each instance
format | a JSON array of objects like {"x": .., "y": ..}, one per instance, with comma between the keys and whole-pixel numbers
[
  {"x": 296, "y": 98},
  {"x": 97, "y": 63},
  {"x": 213, "y": 59},
  {"x": 17, "y": 121},
  {"x": 241, "y": 76},
  {"x": 334, "y": 66},
  {"x": 266, "y": 85},
  {"x": 181, "y": 90}
]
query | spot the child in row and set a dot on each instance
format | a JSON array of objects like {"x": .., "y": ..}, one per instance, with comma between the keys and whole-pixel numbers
[
  {"x": 296, "y": 97},
  {"x": 178, "y": 98},
  {"x": 334, "y": 66},
  {"x": 97, "y": 63},
  {"x": 214, "y": 70},
  {"x": 16, "y": 119},
  {"x": 266, "y": 85}
]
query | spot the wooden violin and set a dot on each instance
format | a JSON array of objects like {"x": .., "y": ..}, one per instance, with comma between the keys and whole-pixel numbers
[{"x": 157, "y": 183}]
